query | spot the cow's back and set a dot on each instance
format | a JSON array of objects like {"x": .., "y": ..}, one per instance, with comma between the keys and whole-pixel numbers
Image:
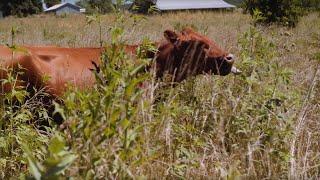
[{"x": 51, "y": 67}]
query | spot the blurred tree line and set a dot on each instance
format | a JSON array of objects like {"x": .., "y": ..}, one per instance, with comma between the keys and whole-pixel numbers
[
  {"x": 50, "y": 3},
  {"x": 311, "y": 4},
  {"x": 96, "y": 6},
  {"x": 106, "y": 6},
  {"x": 285, "y": 12},
  {"x": 20, "y": 8},
  {"x": 23, "y": 8}
]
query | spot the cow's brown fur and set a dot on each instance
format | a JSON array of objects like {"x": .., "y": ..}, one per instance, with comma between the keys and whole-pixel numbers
[
  {"x": 181, "y": 55},
  {"x": 189, "y": 53}
]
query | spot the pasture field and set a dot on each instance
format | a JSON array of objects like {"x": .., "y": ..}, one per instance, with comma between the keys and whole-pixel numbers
[{"x": 264, "y": 123}]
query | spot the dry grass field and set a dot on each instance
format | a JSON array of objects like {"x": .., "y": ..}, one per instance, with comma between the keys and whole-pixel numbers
[{"x": 262, "y": 124}]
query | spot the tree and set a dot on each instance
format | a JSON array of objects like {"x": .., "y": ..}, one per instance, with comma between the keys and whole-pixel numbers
[
  {"x": 310, "y": 4},
  {"x": 50, "y": 3},
  {"x": 282, "y": 11},
  {"x": 20, "y": 8},
  {"x": 96, "y": 6},
  {"x": 143, "y": 6}
]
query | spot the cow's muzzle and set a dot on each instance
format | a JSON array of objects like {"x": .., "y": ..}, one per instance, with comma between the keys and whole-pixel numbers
[
  {"x": 229, "y": 58},
  {"x": 235, "y": 70}
]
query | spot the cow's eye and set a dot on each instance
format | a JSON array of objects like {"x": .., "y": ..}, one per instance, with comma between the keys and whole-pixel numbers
[
  {"x": 181, "y": 45},
  {"x": 206, "y": 50},
  {"x": 178, "y": 43}
]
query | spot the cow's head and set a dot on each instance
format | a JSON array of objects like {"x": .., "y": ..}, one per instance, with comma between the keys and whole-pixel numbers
[{"x": 194, "y": 54}]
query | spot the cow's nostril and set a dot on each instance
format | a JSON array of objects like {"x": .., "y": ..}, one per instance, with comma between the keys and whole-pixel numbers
[{"x": 229, "y": 58}]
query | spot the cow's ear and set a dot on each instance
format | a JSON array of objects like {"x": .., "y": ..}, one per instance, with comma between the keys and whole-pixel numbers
[
  {"x": 171, "y": 36},
  {"x": 187, "y": 30}
]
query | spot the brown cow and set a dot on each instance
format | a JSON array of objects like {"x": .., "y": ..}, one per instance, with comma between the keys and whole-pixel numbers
[
  {"x": 181, "y": 54},
  {"x": 189, "y": 53}
]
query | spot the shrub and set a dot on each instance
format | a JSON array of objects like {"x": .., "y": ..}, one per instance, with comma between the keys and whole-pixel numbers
[
  {"x": 96, "y": 6},
  {"x": 143, "y": 6},
  {"x": 309, "y": 4},
  {"x": 51, "y": 3},
  {"x": 104, "y": 120},
  {"x": 284, "y": 12},
  {"x": 23, "y": 115},
  {"x": 20, "y": 8}
]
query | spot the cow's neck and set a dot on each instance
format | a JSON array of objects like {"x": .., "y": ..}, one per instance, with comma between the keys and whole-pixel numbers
[{"x": 133, "y": 49}]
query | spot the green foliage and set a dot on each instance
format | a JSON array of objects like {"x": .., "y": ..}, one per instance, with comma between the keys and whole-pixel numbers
[
  {"x": 20, "y": 8},
  {"x": 235, "y": 2},
  {"x": 246, "y": 115},
  {"x": 262, "y": 120},
  {"x": 232, "y": 127},
  {"x": 105, "y": 118},
  {"x": 20, "y": 113},
  {"x": 96, "y": 6},
  {"x": 284, "y": 12},
  {"x": 143, "y": 6},
  {"x": 18, "y": 119},
  {"x": 21, "y": 123},
  {"x": 57, "y": 159},
  {"x": 50, "y": 3},
  {"x": 309, "y": 4}
]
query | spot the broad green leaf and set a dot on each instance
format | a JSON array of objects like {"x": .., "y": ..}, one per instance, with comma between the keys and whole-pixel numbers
[
  {"x": 59, "y": 110},
  {"x": 56, "y": 145},
  {"x": 34, "y": 169},
  {"x": 59, "y": 168},
  {"x": 125, "y": 123}
]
